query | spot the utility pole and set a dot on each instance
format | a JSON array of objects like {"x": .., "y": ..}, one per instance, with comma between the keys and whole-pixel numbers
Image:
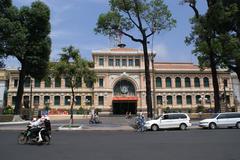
[
  {"x": 154, "y": 86},
  {"x": 153, "y": 77}
]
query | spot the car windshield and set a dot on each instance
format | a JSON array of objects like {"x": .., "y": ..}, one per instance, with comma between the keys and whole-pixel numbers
[{"x": 215, "y": 115}]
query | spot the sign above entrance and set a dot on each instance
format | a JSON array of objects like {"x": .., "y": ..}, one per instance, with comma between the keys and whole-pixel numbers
[{"x": 125, "y": 98}]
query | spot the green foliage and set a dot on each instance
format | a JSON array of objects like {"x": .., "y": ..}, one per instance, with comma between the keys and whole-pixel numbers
[
  {"x": 8, "y": 110},
  {"x": 167, "y": 110},
  {"x": 72, "y": 67},
  {"x": 47, "y": 107},
  {"x": 145, "y": 16},
  {"x": 82, "y": 111},
  {"x": 200, "y": 109},
  {"x": 24, "y": 34}
]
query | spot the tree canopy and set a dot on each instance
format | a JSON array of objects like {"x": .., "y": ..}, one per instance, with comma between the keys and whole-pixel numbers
[
  {"x": 24, "y": 34},
  {"x": 146, "y": 17},
  {"x": 74, "y": 69}
]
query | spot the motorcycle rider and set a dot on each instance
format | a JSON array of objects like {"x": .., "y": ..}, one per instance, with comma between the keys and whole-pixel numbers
[{"x": 37, "y": 126}]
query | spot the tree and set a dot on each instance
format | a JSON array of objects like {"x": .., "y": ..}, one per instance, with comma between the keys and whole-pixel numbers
[
  {"x": 229, "y": 35},
  {"x": 24, "y": 34},
  {"x": 147, "y": 17},
  {"x": 74, "y": 69},
  {"x": 204, "y": 37}
]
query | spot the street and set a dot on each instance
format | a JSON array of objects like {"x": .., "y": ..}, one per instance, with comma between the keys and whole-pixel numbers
[{"x": 197, "y": 144}]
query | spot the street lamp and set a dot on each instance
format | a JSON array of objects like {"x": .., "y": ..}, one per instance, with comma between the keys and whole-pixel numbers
[
  {"x": 154, "y": 86},
  {"x": 31, "y": 81}
]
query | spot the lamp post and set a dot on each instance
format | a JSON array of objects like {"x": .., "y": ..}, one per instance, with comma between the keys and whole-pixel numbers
[
  {"x": 154, "y": 86},
  {"x": 31, "y": 80}
]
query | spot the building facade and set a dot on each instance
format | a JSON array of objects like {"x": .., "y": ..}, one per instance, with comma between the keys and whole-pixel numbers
[
  {"x": 3, "y": 87},
  {"x": 120, "y": 87}
]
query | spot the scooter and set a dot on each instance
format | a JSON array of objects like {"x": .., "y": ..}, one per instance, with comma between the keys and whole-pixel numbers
[
  {"x": 94, "y": 121},
  {"x": 30, "y": 135}
]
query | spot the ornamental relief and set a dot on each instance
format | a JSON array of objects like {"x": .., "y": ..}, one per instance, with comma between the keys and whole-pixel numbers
[{"x": 117, "y": 77}]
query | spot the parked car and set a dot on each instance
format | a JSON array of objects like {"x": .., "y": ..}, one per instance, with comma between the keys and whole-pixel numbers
[
  {"x": 222, "y": 120},
  {"x": 169, "y": 120}
]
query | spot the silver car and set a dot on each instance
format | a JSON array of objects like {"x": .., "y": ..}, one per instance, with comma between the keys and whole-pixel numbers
[{"x": 222, "y": 120}]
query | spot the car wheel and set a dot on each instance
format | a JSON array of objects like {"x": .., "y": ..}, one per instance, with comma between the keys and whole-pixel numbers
[
  {"x": 238, "y": 125},
  {"x": 183, "y": 126},
  {"x": 212, "y": 126},
  {"x": 154, "y": 127}
]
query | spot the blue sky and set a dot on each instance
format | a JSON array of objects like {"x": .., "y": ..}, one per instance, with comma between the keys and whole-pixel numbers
[{"x": 73, "y": 21}]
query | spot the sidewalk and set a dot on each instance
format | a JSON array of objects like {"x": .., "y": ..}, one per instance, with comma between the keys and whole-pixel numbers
[
  {"x": 108, "y": 124},
  {"x": 13, "y": 123}
]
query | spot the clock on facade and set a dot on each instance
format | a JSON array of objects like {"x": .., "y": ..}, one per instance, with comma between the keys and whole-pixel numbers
[{"x": 124, "y": 89}]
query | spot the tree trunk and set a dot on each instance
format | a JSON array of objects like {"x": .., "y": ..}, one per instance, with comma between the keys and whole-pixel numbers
[
  {"x": 20, "y": 90},
  {"x": 148, "y": 79},
  {"x": 73, "y": 100},
  {"x": 217, "y": 107}
]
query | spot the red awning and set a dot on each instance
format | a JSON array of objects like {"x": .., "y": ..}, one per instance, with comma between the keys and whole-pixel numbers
[{"x": 125, "y": 98}]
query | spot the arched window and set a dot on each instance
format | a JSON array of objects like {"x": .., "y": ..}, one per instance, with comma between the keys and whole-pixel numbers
[
  {"x": 187, "y": 82},
  {"x": 207, "y": 99},
  {"x": 159, "y": 99},
  {"x": 56, "y": 100},
  {"x": 158, "y": 82},
  {"x": 178, "y": 82},
  {"x": 37, "y": 83},
  {"x": 206, "y": 82},
  {"x": 78, "y": 100},
  {"x": 36, "y": 100},
  {"x": 57, "y": 82},
  {"x": 168, "y": 82},
  {"x": 67, "y": 82},
  {"x": 46, "y": 99},
  {"x": 189, "y": 99},
  {"x": 67, "y": 100},
  {"x": 48, "y": 82},
  {"x": 169, "y": 100},
  {"x": 198, "y": 99},
  {"x": 79, "y": 82},
  {"x": 27, "y": 82},
  {"x": 124, "y": 87},
  {"x": 225, "y": 82},
  {"x": 196, "y": 82},
  {"x": 179, "y": 100}
]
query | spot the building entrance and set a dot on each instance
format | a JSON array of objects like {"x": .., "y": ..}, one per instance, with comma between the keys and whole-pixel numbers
[{"x": 123, "y": 107}]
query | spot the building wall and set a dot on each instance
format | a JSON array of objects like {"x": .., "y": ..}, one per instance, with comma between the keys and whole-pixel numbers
[
  {"x": 3, "y": 86},
  {"x": 236, "y": 89},
  {"x": 136, "y": 75}
]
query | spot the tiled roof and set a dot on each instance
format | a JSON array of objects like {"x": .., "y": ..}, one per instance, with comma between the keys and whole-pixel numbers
[
  {"x": 175, "y": 66},
  {"x": 123, "y": 49}
]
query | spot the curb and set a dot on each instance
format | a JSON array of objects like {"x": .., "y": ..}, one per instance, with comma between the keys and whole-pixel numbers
[
  {"x": 87, "y": 128},
  {"x": 14, "y": 123}
]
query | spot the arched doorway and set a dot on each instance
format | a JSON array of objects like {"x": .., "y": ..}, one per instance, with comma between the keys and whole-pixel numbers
[{"x": 124, "y": 99}]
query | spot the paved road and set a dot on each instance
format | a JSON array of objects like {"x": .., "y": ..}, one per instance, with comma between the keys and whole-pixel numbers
[{"x": 220, "y": 144}]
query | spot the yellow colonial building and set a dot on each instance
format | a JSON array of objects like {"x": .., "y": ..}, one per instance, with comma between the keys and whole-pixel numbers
[{"x": 120, "y": 87}]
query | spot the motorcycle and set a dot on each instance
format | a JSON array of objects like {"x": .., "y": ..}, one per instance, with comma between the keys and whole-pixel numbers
[
  {"x": 139, "y": 124},
  {"x": 30, "y": 135},
  {"x": 94, "y": 120}
]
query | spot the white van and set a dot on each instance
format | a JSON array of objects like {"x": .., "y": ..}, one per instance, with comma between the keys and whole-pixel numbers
[
  {"x": 222, "y": 120},
  {"x": 169, "y": 120}
]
